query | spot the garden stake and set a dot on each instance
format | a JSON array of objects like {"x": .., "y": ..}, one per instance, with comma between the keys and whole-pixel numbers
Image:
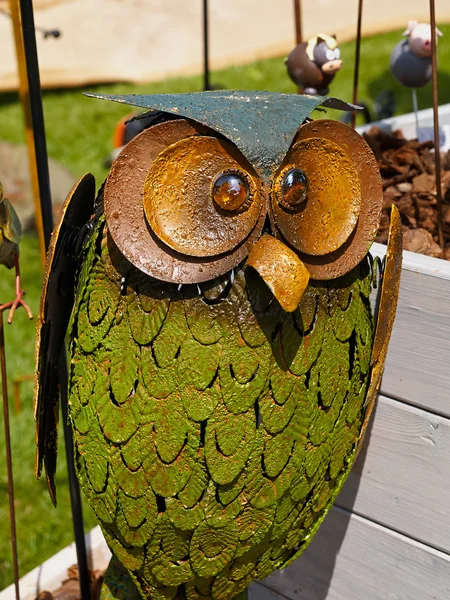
[
  {"x": 357, "y": 56},
  {"x": 37, "y": 115},
  {"x": 416, "y": 110},
  {"x": 12, "y": 515},
  {"x": 24, "y": 99},
  {"x": 206, "y": 84},
  {"x": 298, "y": 28},
  {"x": 298, "y": 22},
  {"x": 437, "y": 154}
]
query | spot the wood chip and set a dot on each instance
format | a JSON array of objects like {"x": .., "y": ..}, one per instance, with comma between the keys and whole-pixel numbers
[
  {"x": 408, "y": 176},
  {"x": 421, "y": 241}
]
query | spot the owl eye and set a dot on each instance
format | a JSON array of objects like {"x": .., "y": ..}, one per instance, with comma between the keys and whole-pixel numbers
[
  {"x": 201, "y": 198},
  {"x": 230, "y": 191},
  {"x": 330, "y": 168},
  {"x": 183, "y": 205},
  {"x": 294, "y": 188}
]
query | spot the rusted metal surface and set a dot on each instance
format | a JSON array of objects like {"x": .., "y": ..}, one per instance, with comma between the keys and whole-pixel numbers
[
  {"x": 261, "y": 124},
  {"x": 387, "y": 307},
  {"x": 54, "y": 312},
  {"x": 179, "y": 203},
  {"x": 218, "y": 379},
  {"x": 436, "y": 123},
  {"x": 134, "y": 237},
  {"x": 281, "y": 269},
  {"x": 298, "y": 21},
  {"x": 351, "y": 252},
  {"x": 322, "y": 223}
]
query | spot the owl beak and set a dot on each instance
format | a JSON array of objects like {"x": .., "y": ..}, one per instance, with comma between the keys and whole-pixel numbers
[{"x": 281, "y": 269}]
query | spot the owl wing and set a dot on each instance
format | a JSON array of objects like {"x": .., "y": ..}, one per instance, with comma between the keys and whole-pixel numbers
[
  {"x": 385, "y": 314},
  {"x": 56, "y": 305}
]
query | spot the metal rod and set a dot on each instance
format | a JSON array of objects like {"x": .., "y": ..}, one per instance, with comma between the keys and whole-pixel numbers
[
  {"x": 416, "y": 110},
  {"x": 12, "y": 515},
  {"x": 206, "y": 83},
  {"x": 37, "y": 114},
  {"x": 437, "y": 153},
  {"x": 357, "y": 57},
  {"x": 298, "y": 21},
  {"x": 75, "y": 496},
  {"x": 25, "y": 101},
  {"x": 298, "y": 29}
]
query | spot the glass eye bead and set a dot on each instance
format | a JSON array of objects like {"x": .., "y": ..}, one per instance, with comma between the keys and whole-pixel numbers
[
  {"x": 294, "y": 188},
  {"x": 230, "y": 191}
]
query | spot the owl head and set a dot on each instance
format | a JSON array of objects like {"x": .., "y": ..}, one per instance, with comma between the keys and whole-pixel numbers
[{"x": 243, "y": 176}]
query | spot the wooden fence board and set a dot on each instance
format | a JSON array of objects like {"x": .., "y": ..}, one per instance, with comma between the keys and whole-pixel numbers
[
  {"x": 402, "y": 477},
  {"x": 352, "y": 558},
  {"x": 417, "y": 369}
]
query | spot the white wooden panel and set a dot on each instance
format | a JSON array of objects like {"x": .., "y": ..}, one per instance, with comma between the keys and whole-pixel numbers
[
  {"x": 258, "y": 591},
  {"x": 417, "y": 367},
  {"x": 401, "y": 478},
  {"x": 354, "y": 559}
]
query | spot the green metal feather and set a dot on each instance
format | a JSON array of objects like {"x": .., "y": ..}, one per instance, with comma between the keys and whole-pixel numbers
[{"x": 212, "y": 429}]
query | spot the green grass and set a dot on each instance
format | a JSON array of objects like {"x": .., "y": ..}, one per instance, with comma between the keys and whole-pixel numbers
[{"x": 79, "y": 135}]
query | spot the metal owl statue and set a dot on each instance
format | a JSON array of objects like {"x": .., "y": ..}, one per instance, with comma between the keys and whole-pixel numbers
[{"x": 223, "y": 355}]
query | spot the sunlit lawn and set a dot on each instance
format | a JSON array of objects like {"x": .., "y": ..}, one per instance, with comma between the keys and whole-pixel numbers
[{"x": 79, "y": 135}]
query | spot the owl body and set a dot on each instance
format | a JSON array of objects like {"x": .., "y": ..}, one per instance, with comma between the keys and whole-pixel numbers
[
  {"x": 223, "y": 356},
  {"x": 212, "y": 429}
]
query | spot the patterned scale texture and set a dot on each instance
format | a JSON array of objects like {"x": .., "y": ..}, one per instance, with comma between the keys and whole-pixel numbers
[{"x": 212, "y": 429}]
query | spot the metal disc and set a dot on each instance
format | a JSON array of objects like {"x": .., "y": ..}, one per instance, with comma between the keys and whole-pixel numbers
[
  {"x": 323, "y": 222},
  {"x": 179, "y": 201},
  {"x": 129, "y": 229},
  {"x": 352, "y": 251}
]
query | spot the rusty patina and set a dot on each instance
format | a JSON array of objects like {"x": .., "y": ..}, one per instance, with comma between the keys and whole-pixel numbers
[
  {"x": 281, "y": 269},
  {"x": 125, "y": 198},
  {"x": 324, "y": 222},
  {"x": 351, "y": 252},
  {"x": 386, "y": 309},
  {"x": 179, "y": 203},
  {"x": 213, "y": 425},
  {"x": 54, "y": 311}
]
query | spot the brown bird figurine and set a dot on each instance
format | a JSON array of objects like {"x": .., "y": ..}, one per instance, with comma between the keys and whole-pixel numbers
[
  {"x": 312, "y": 65},
  {"x": 10, "y": 234}
]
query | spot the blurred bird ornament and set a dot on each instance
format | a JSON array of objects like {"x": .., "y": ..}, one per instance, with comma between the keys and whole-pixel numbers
[
  {"x": 224, "y": 359},
  {"x": 312, "y": 65},
  {"x": 10, "y": 234},
  {"x": 410, "y": 60}
]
